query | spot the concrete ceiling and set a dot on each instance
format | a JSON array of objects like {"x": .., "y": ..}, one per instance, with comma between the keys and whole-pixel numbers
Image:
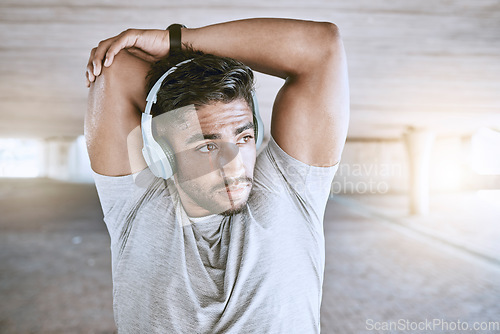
[{"x": 427, "y": 63}]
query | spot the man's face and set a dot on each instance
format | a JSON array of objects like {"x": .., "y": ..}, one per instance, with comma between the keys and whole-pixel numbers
[{"x": 215, "y": 157}]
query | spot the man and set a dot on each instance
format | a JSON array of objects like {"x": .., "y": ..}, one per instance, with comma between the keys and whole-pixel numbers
[{"x": 231, "y": 243}]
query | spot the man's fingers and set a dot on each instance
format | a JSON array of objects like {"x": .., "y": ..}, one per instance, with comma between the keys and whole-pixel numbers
[
  {"x": 89, "y": 73},
  {"x": 125, "y": 40},
  {"x": 98, "y": 57},
  {"x": 90, "y": 77},
  {"x": 106, "y": 51}
]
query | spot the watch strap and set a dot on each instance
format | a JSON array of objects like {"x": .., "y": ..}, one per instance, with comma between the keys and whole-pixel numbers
[{"x": 174, "y": 32}]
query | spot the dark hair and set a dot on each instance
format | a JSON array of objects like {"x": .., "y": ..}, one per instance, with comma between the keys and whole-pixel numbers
[{"x": 205, "y": 79}]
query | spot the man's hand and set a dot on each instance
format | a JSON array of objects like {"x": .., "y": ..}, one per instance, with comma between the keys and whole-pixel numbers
[{"x": 150, "y": 45}]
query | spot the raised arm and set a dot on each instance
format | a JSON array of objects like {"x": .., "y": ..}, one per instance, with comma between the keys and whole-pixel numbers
[
  {"x": 311, "y": 111},
  {"x": 115, "y": 102}
]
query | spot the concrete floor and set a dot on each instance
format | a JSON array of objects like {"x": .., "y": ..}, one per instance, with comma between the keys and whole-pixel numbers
[
  {"x": 379, "y": 271},
  {"x": 55, "y": 267},
  {"x": 55, "y": 272}
]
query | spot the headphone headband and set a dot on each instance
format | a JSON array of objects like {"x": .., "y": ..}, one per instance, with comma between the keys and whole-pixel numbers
[{"x": 151, "y": 98}]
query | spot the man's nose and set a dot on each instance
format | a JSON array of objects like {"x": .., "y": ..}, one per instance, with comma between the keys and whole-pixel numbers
[{"x": 230, "y": 160}]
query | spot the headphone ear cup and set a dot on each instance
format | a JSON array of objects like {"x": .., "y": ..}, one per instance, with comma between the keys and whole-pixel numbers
[
  {"x": 161, "y": 163},
  {"x": 153, "y": 161},
  {"x": 168, "y": 154},
  {"x": 158, "y": 162}
]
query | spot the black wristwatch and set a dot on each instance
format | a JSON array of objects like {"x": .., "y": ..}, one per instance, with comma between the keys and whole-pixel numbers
[{"x": 174, "y": 32}]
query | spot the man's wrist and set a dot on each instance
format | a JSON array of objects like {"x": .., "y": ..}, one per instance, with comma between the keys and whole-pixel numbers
[{"x": 175, "y": 39}]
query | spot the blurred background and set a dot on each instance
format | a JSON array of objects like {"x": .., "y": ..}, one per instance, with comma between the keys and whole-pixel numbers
[{"x": 413, "y": 223}]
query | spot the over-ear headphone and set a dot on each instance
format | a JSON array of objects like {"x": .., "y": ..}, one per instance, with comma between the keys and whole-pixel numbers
[{"x": 160, "y": 158}]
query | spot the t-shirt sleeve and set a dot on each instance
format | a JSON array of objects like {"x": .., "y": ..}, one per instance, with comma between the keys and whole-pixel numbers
[
  {"x": 113, "y": 190},
  {"x": 119, "y": 192},
  {"x": 308, "y": 186}
]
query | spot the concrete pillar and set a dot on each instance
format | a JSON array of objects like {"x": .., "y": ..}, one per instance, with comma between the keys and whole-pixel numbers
[
  {"x": 66, "y": 159},
  {"x": 419, "y": 145},
  {"x": 57, "y": 157},
  {"x": 43, "y": 163},
  {"x": 79, "y": 162}
]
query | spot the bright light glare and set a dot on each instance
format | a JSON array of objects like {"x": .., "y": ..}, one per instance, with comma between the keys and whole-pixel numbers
[
  {"x": 485, "y": 152},
  {"x": 447, "y": 175},
  {"x": 490, "y": 196},
  {"x": 447, "y": 165},
  {"x": 19, "y": 157}
]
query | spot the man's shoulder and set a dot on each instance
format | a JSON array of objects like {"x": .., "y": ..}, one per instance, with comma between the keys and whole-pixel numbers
[
  {"x": 132, "y": 190},
  {"x": 275, "y": 169}
]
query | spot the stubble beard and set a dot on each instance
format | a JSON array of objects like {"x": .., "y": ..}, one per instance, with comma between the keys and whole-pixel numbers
[{"x": 208, "y": 199}]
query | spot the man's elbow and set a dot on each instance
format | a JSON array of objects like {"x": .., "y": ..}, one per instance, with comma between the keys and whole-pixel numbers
[
  {"x": 330, "y": 42},
  {"x": 323, "y": 45}
]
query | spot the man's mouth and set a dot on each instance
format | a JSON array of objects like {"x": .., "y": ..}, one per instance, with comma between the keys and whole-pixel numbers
[
  {"x": 236, "y": 191},
  {"x": 238, "y": 187}
]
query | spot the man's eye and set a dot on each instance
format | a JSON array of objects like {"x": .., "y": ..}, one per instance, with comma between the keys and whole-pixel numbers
[
  {"x": 207, "y": 148},
  {"x": 246, "y": 139}
]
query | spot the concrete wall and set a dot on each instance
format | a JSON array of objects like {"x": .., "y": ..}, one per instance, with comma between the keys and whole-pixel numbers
[{"x": 371, "y": 166}]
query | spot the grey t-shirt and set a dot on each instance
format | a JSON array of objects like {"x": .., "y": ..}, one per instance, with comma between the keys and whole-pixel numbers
[{"x": 260, "y": 271}]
